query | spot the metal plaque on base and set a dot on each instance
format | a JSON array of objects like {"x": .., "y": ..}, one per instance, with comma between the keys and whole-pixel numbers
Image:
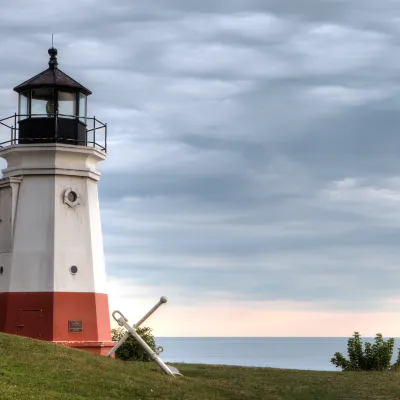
[{"x": 75, "y": 326}]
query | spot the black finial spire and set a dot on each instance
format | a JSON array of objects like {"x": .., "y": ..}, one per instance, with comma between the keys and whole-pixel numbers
[{"x": 53, "y": 56}]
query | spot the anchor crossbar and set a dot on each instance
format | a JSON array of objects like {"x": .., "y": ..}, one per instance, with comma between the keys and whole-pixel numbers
[{"x": 162, "y": 301}]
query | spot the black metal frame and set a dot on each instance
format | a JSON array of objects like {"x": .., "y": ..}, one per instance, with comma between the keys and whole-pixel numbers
[
  {"x": 14, "y": 137},
  {"x": 56, "y": 91}
]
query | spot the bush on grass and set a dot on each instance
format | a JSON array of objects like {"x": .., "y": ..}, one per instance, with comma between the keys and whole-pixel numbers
[
  {"x": 374, "y": 357},
  {"x": 131, "y": 350}
]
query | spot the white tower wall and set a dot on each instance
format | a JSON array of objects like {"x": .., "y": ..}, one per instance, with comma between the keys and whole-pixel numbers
[
  {"x": 49, "y": 236},
  {"x": 9, "y": 188}
]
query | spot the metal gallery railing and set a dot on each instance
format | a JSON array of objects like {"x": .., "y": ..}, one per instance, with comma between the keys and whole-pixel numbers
[{"x": 96, "y": 131}]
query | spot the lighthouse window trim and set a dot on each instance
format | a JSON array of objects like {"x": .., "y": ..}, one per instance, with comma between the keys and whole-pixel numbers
[
  {"x": 43, "y": 102},
  {"x": 67, "y": 104},
  {"x": 24, "y": 104},
  {"x": 39, "y": 102},
  {"x": 82, "y": 108}
]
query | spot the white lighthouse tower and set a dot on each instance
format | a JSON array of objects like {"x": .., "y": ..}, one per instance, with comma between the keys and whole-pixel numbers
[{"x": 52, "y": 273}]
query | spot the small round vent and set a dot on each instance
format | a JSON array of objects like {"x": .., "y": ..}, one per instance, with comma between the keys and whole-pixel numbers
[{"x": 71, "y": 197}]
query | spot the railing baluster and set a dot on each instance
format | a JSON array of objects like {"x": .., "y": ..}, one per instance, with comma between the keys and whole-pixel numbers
[
  {"x": 15, "y": 128},
  {"x": 94, "y": 131},
  {"x": 105, "y": 138},
  {"x": 56, "y": 126}
]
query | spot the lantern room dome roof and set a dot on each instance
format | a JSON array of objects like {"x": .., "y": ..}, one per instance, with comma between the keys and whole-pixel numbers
[{"x": 52, "y": 77}]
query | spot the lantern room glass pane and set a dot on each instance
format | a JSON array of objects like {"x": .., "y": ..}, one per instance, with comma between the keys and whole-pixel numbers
[
  {"x": 23, "y": 105},
  {"x": 42, "y": 103},
  {"x": 82, "y": 108},
  {"x": 67, "y": 104}
]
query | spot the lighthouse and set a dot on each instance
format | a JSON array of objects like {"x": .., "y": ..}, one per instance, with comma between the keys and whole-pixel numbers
[{"x": 52, "y": 270}]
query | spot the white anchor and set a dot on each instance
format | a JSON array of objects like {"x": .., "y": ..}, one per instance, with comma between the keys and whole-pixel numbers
[{"x": 131, "y": 330}]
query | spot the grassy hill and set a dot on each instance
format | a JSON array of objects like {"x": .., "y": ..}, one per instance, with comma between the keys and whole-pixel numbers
[{"x": 31, "y": 369}]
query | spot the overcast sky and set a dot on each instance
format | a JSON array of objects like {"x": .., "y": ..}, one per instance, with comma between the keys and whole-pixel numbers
[{"x": 253, "y": 164}]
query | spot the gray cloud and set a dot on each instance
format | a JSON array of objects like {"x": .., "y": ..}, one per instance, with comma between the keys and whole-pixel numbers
[{"x": 253, "y": 144}]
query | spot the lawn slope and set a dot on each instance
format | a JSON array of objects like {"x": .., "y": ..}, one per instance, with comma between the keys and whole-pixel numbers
[{"x": 31, "y": 369}]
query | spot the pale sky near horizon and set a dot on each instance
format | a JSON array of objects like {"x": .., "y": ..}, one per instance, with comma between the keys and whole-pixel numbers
[{"x": 253, "y": 163}]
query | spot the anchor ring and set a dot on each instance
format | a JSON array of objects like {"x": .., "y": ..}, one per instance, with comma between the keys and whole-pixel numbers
[{"x": 118, "y": 319}]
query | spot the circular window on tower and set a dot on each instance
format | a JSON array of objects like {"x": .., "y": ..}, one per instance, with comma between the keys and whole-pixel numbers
[
  {"x": 71, "y": 197},
  {"x": 73, "y": 269}
]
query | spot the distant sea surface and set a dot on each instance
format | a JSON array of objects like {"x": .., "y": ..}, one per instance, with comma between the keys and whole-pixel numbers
[{"x": 293, "y": 353}]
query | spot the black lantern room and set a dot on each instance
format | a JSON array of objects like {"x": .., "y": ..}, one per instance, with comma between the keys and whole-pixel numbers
[{"x": 53, "y": 109}]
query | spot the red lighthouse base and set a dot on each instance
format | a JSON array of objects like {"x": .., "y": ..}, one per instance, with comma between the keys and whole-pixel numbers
[
  {"x": 100, "y": 348},
  {"x": 79, "y": 320}
]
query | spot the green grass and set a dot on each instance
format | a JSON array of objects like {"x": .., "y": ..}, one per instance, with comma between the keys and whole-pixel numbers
[{"x": 31, "y": 369}]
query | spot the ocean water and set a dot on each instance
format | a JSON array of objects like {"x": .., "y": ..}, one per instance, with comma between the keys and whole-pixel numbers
[{"x": 292, "y": 353}]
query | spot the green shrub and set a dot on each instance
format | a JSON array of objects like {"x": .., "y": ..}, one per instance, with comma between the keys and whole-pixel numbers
[
  {"x": 131, "y": 350},
  {"x": 374, "y": 357}
]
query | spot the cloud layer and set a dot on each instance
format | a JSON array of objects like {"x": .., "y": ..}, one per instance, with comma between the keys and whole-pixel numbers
[{"x": 253, "y": 146}]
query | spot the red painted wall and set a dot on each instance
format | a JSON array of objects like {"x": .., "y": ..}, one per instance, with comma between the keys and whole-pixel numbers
[{"x": 45, "y": 316}]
